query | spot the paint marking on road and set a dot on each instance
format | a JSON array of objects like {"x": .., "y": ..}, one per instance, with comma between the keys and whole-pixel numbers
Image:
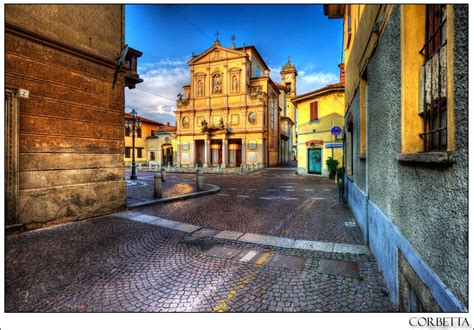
[
  {"x": 317, "y": 198},
  {"x": 249, "y": 256},
  {"x": 326, "y": 189},
  {"x": 309, "y": 190},
  {"x": 290, "y": 198},
  {"x": 252, "y": 189},
  {"x": 271, "y": 190},
  {"x": 287, "y": 187},
  {"x": 289, "y": 190},
  {"x": 264, "y": 258},
  {"x": 230, "y": 188},
  {"x": 224, "y": 303},
  {"x": 243, "y": 196},
  {"x": 266, "y": 198},
  {"x": 222, "y": 194}
]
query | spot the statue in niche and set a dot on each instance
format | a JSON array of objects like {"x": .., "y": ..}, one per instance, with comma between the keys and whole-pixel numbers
[
  {"x": 204, "y": 125},
  {"x": 217, "y": 84},
  {"x": 235, "y": 84},
  {"x": 200, "y": 88},
  {"x": 221, "y": 123}
]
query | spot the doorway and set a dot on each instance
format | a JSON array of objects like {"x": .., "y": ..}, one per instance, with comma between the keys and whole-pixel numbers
[
  {"x": 199, "y": 152},
  {"x": 314, "y": 161},
  {"x": 167, "y": 154}
]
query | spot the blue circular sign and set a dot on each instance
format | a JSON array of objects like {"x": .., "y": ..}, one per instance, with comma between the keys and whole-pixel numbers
[{"x": 336, "y": 130}]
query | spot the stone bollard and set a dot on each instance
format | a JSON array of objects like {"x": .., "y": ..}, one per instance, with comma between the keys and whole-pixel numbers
[
  {"x": 218, "y": 168},
  {"x": 196, "y": 167},
  {"x": 241, "y": 168},
  {"x": 253, "y": 166},
  {"x": 140, "y": 166},
  {"x": 246, "y": 167},
  {"x": 199, "y": 180},
  {"x": 163, "y": 176},
  {"x": 169, "y": 166},
  {"x": 157, "y": 187}
]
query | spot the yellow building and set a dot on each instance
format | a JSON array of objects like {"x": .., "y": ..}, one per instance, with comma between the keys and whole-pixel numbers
[
  {"x": 318, "y": 112},
  {"x": 230, "y": 114},
  {"x": 141, "y": 153},
  {"x": 161, "y": 146}
]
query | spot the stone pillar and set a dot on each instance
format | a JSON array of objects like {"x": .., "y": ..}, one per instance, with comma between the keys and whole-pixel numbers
[
  {"x": 178, "y": 154},
  {"x": 199, "y": 180},
  {"x": 206, "y": 153},
  {"x": 160, "y": 156},
  {"x": 261, "y": 152},
  {"x": 244, "y": 151},
  {"x": 157, "y": 187},
  {"x": 224, "y": 152},
  {"x": 162, "y": 174},
  {"x": 192, "y": 153}
]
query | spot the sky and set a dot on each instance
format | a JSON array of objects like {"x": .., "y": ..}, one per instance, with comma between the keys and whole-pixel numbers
[{"x": 169, "y": 34}]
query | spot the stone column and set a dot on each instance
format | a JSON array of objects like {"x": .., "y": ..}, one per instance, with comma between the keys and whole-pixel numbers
[
  {"x": 160, "y": 156},
  {"x": 192, "y": 153},
  {"x": 261, "y": 153},
  {"x": 244, "y": 151},
  {"x": 178, "y": 154},
  {"x": 206, "y": 152},
  {"x": 224, "y": 152}
]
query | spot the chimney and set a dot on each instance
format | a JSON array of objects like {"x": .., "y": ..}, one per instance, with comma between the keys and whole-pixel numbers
[
  {"x": 167, "y": 123},
  {"x": 342, "y": 73}
]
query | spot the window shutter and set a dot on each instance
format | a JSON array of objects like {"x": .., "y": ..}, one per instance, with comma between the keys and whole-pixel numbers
[{"x": 313, "y": 111}]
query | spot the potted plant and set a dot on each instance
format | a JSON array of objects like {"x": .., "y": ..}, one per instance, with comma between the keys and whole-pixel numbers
[{"x": 332, "y": 163}]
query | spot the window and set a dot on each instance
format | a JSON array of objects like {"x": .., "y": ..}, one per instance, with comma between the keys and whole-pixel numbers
[
  {"x": 139, "y": 132},
  {"x": 127, "y": 131},
  {"x": 139, "y": 152},
  {"x": 313, "y": 111},
  {"x": 427, "y": 85},
  {"x": 272, "y": 113},
  {"x": 349, "y": 143},
  {"x": 127, "y": 152},
  {"x": 288, "y": 87},
  {"x": 434, "y": 111},
  {"x": 152, "y": 155}
]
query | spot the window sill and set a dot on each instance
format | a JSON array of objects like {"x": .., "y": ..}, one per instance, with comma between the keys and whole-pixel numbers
[
  {"x": 314, "y": 121},
  {"x": 441, "y": 157}
]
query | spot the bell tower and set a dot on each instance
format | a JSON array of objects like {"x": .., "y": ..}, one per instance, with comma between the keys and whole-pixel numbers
[{"x": 288, "y": 77}]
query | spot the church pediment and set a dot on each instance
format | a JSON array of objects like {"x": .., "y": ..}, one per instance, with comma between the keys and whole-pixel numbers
[{"x": 216, "y": 53}]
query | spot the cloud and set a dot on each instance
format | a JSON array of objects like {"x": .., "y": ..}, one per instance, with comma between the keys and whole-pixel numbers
[
  {"x": 308, "y": 78},
  {"x": 155, "y": 98}
]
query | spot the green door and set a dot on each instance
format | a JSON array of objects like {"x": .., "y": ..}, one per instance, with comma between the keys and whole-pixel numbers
[{"x": 314, "y": 161}]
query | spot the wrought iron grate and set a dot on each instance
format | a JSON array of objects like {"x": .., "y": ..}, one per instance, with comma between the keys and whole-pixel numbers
[{"x": 339, "y": 267}]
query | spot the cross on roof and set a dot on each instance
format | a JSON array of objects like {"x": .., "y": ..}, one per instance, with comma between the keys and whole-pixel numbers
[{"x": 217, "y": 35}]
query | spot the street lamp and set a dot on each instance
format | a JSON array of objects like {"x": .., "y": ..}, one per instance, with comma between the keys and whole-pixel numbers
[{"x": 133, "y": 124}]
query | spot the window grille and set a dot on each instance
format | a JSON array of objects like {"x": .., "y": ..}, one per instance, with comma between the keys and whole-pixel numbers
[{"x": 434, "y": 110}]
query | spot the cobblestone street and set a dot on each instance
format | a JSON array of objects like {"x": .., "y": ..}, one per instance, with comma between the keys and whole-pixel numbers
[
  {"x": 115, "y": 264},
  {"x": 272, "y": 202}
]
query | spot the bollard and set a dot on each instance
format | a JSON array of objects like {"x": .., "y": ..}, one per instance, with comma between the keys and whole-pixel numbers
[
  {"x": 169, "y": 166},
  {"x": 218, "y": 168},
  {"x": 162, "y": 172},
  {"x": 241, "y": 168},
  {"x": 157, "y": 187},
  {"x": 246, "y": 167},
  {"x": 253, "y": 166},
  {"x": 196, "y": 167},
  {"x": 199, "y": 180}
]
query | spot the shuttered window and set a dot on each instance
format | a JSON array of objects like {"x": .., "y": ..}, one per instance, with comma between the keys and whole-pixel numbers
[{"x": 313, "y": 111}]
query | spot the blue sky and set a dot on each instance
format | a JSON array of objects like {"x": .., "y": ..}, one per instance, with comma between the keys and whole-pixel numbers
[{"x": 168, "y": 34}]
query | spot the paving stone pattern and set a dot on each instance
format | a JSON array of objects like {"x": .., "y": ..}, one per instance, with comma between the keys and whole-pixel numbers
[
  {"x": 113, "y": 264},
  {"x": 269, "y": 202}
]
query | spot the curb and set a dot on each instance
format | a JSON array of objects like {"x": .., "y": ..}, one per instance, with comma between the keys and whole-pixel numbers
[
  {"x": 274, "y": 241},
  {"x": 214, "y": 190}
]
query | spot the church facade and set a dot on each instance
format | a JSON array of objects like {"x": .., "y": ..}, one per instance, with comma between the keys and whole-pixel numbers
[{"x": 230, "y": 112}]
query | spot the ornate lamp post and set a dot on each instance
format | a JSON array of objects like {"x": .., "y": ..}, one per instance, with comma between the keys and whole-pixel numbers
[{"x": 133, "y": 124}]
